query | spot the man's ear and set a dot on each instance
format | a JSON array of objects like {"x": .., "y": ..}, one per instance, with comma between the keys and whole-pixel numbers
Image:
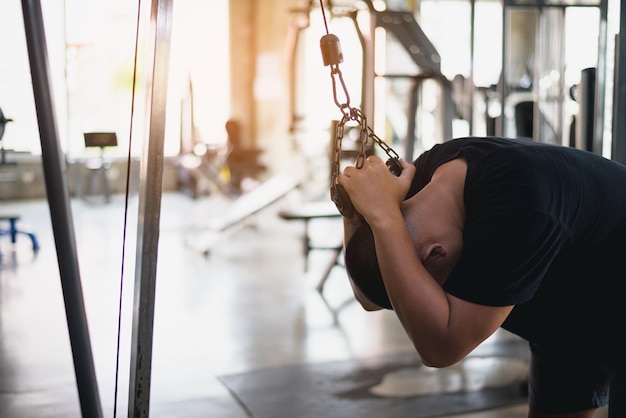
[
  {"x": 438, "y": 263},
  {"x": 435, "y": 253}
]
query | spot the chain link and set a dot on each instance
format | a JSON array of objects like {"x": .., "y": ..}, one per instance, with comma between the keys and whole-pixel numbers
[
  {"x": 386, "y": 148},
  {"x": 366, "y": 133},
  {"x": 335, "y": 74},
  {"x": 339, "y": 132}
]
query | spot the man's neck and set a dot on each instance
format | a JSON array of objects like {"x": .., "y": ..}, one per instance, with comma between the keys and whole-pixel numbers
[
  {"x": 447, "y": 188},
  {"x": 437, "y": 212}
]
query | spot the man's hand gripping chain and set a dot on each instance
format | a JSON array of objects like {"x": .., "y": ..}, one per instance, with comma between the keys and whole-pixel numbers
[{"x": 332, "y": 55}]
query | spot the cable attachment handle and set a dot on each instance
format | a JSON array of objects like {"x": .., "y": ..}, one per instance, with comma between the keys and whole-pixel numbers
[
  {"x": 333, "y": 56},
  {"x": 338, "y": 194}
]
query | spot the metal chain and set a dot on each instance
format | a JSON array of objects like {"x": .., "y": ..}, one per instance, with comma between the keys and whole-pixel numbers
[
  {"x": 339, "y": 132},
  {"x": 331, "y": 52},
  {"x": 366, "y": 133},
  {"x": 386, "y": 148},
  {"x": 332, "y": 56}
]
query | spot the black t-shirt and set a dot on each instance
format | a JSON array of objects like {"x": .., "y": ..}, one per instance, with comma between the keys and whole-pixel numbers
[{"x": 545, "y": 230}]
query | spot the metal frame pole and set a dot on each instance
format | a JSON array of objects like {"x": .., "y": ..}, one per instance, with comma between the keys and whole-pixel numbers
[
  {"x": 150, "y": 187},
  {"x": 598, "y": 123},
  {"x": 619, "y": 102},
  {"x": 60, "y": 211}
]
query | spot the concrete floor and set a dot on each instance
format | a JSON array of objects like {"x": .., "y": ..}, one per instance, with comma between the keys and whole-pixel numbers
[{"x": 246, "y": 306}]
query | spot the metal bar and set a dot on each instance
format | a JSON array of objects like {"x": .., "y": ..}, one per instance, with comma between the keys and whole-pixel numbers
[
  {"x": 470, "y": 88},
  {"x": 619, "y": 103},
  {"x": 598, "y": 124},
  {"x": 150, "y": 186},
  {"x": 503, "y": 90},
  {"x": 543, "y": 4},
  {"x": 60, "y": 211},
  {"x": 409, "y": 143},
  {"x": 368, "y": 92}
]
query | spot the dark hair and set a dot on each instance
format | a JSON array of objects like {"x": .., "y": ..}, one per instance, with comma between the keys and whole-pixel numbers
[{"x": 362, "y": 266}]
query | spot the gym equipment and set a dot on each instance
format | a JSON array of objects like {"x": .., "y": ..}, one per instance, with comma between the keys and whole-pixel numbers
[
  {"x": 3, "y": 122},
  {"x": 14, "y": 228},
  {"x": 243, "y": 162},
  {"x": 99, "y": 166},
  {"x": 392, "y": 97},
  {"x": 332, "y": 56},
  {"x": 241, "y": 210},
  {"x": 60, "y": 211},
  {"x": 207, "y": 169},
  {"x": 540, "y": 53},
  {"x": 405, "y": 36},
  {"x": 308, "y": 212},
  {"x": 12, "y": 220},
  {"x": 618, "y": 146}
]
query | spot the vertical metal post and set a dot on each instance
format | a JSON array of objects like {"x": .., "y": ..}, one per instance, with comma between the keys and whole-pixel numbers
[
  {"x": 619, "y": 103},
  {"x": 598, "y": 124},
  {"x": 503, "y": 90},
  {"x": 368, "y": 90},
  {"x": 469, "y": 85},
  {"x": 585, "y": 119},
  {"x": 150, "y": 186},
  {"x": 414, "y": 99},
  {"x": 60, "y": 211}
]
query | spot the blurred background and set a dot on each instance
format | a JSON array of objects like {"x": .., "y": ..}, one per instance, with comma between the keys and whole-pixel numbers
[{"x": 249, "y": 127}]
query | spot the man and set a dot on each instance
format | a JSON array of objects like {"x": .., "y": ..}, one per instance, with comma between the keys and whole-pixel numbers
[{"x": 482, "y": 233}]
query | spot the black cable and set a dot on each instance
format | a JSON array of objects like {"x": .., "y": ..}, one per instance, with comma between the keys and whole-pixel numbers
[
  {"x": 324, "y": 16},
  {"x": 126, "y": 200}
]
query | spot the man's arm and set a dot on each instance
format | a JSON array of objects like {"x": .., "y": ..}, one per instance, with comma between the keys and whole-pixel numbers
[{"x": 442, "y": 327}]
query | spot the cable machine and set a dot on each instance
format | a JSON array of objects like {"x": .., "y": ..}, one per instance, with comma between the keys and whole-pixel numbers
[
  {"x": 536, "y": 107},
  {"x": 151, "y": 172},
  {"x": 401, "y": 68},
  {"x": 398, "y": 68}
]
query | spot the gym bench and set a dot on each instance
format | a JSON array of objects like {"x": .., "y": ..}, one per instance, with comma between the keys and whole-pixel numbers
[
  {"x": 308, "y": 212},
  {"x": 242, "y": 209}
]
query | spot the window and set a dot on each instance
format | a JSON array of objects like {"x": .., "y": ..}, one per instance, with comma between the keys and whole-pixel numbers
[{"x": 91, "y": 46}]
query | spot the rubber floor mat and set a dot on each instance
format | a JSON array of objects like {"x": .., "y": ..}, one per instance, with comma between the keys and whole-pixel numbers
[{"x": 393, "y": 386}]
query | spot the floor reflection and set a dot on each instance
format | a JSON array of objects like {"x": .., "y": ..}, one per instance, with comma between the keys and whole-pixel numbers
[{"x": 469, "y": 375}]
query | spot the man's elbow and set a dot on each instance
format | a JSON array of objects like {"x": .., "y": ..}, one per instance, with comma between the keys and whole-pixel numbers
[
  {"x": 437, "y": 363},
  {"x": 437, "y": 358}
]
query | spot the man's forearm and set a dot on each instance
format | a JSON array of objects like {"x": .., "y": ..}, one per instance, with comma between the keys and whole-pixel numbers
[{"x": 418, "y": 300}]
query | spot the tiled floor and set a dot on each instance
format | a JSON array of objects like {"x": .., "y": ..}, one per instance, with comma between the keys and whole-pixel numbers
[{"x": 246, "y": 306}]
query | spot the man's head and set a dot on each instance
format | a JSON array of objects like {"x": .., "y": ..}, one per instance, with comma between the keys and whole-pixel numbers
[
  {"x": 362, "y": 266},
  {"x": 437, "y": 245},
  {"x": 434, "y": 216}
]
